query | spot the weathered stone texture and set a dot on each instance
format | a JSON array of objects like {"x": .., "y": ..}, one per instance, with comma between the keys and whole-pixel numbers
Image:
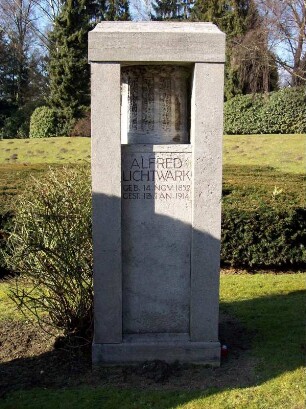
[
  {"x": 156, "y": 42},
  {"x": 154, "y": 106},
  {"x": 157, "y": 173}
]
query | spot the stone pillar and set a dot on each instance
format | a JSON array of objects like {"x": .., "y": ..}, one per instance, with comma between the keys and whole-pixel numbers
[
  {"x": 206, "y": 139},
  {"x": 106, "y": 187},
  {"x": 156, "y": 190}
]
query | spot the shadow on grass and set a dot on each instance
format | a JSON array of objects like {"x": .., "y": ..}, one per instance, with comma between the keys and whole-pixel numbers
[{"x": 265, "y": 343}]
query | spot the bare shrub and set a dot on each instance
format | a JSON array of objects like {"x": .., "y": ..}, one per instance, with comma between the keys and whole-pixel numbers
[
  {"x": 50, "y": 247},
  {"x": 82, "y": 127}
]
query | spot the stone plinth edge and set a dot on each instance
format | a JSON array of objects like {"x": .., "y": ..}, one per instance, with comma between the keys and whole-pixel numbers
[
  {"x": 200, "y": 353},
  {"x": 142, "y": 148},
  {"x": 156, "y": 42}
]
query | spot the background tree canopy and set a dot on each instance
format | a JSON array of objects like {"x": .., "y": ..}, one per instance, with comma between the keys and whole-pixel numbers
[{"x": 43, "y": 50}]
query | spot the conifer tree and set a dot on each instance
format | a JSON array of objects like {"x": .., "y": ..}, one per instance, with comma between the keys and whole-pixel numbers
[
  {"x": 68, "y": 66},
  {"x": 69, "y": 74},
  {"x": 171, "y": 9},
  {"x": 109, "y": 10},
  {"x": 166, "y": 10},
  {"x": 117, "y": 10}
]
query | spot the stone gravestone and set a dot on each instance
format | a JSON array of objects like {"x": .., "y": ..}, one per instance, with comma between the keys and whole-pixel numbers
[{"x": 157, "y": 100}]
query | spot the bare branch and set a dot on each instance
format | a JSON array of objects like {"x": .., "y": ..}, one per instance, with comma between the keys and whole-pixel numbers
[{"x": 286, "y": 22}]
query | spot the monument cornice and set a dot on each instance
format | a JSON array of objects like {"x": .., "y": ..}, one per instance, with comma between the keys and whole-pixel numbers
[{"x": 156, "y": 42}]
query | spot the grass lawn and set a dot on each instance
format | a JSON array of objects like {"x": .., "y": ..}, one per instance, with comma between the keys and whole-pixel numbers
[
  {"x": 266, "y": 373},
  {"x": 285, "y": 153},
  {"x": 44, "y": 150},
  {"x": 8, "y": 309}
]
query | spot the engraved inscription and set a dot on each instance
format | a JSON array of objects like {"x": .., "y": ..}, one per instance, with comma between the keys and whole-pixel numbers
[
  {"x": 156, "y": 177},
  {"x": 165, "y": 103},
  {"x": 133, "y": 100},
  {"x": 147, "y": 123},
  {"x": 154, "y": 104}
]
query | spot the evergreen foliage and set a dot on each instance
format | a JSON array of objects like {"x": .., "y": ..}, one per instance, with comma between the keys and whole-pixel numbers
[
  {"x": 108, "y": 10},
  {"x": 171, "y": 9},
  {"x": 22, "y": 86},
  {"x": 68, "y": 65},
  {"x": 266, "y": 237},
  {"x": 17, "y": 122},
  {"x": 231, "y": 16},
  {"x": 43, "y": 123},
  {"x": 7, "y": 79},
  {"x": 116, "y": 10},
  {"x": 281, "y": 112}
]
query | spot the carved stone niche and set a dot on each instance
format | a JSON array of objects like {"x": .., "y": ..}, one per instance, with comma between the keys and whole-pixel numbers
[{"x": 155, "y": 104}]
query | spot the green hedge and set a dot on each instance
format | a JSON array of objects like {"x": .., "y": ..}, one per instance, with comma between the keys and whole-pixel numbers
[
  {"x": 43, "y": 123},
  {"x": 46, "y": 122},
  {"x": 263, "y": 216},
  {"x": 267, "y": 237},
  {"x": 281, "y": 112}
]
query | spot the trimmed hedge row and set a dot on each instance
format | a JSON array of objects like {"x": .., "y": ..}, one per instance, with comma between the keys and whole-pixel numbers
[
  {"x": 263, "y": 218},
  {"x": 267, "y": 237},
  {"x": 281, "y": 112}
]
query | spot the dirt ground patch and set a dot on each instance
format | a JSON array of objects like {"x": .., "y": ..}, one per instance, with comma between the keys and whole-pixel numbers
[{"x": 28, "y": 359}]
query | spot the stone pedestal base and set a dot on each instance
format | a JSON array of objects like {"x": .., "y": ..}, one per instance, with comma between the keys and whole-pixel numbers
[{"x": 170, "y": 348}]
